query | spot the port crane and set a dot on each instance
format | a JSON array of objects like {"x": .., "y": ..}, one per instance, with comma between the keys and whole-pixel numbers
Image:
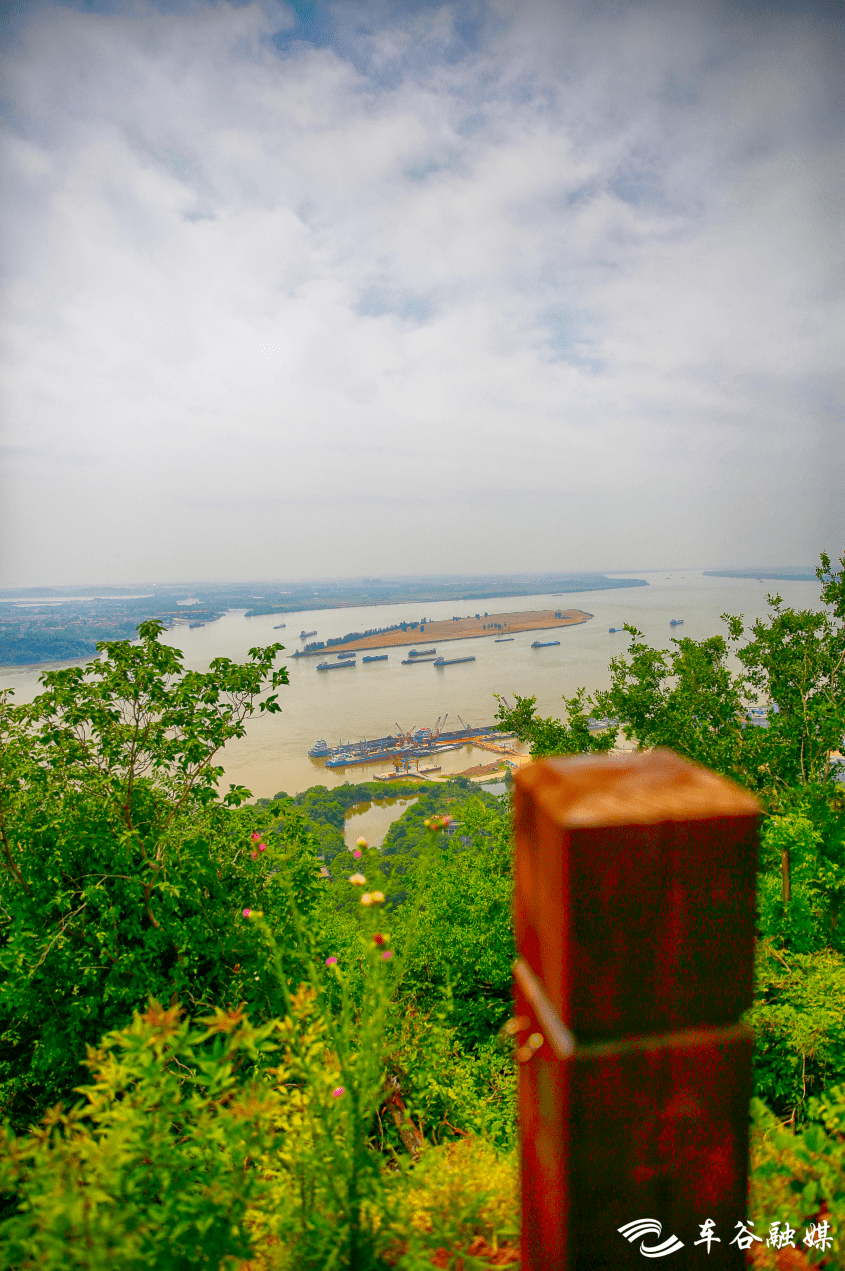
[{"x": 405, "y": 738}]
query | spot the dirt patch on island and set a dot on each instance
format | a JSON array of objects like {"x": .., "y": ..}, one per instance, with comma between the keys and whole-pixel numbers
[{"x": 493, "y": 625}]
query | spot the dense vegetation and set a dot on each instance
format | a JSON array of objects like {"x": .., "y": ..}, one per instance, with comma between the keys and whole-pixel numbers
[{"x": 225, "y": 1041}]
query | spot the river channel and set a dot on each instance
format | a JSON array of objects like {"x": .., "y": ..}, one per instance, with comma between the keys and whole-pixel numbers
[{"x": 371, "y": 700}]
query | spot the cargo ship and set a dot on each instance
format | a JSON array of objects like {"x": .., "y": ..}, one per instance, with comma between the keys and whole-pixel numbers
[
  {"x": 421, "y": 744},
  {"x": 452, "y": 661},
  {"x": 544, "y": 644},
  {"x": 420, "y": 653},
  {"x": 333, "y": 666},
  {"x": 280, "y": 627},
  {"x": 415, "y": 661},
  {"x": 303, "y": 635},
  {"x": 502, "y": 639},
  {"x": 375, "y": 657},
  {"x": 346, "y": 655}
]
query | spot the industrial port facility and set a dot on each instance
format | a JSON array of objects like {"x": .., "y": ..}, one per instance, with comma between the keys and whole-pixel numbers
[{"x": 402, "y": 747}]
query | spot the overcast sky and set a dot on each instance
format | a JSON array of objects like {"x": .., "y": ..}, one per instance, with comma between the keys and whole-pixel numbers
[{"x": 328, "y": 289}]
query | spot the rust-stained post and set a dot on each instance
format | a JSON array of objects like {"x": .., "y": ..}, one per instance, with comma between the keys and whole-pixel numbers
[{"x": 635, "y": 882}]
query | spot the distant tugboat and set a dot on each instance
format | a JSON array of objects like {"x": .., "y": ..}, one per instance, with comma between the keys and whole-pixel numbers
[
  {"x": 544, "y": 644},
  {"x": 676, "y": 622}
]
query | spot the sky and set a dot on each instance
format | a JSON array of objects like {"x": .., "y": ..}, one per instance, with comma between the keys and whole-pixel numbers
[{"x": 389, "y": 288}]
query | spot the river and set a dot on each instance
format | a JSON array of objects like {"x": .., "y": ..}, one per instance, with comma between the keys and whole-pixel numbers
[{"x": 371, "y": 700}]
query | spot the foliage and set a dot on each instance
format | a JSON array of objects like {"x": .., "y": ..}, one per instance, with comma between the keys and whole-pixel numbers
[
  {"x": 551, "y": 736},
  {"x": 123, "y": 876},
  {"x": 798, "y": 1017},
  {"x": 157, "y": 1167},
  {"x": 799, "y": 1177},
  {"x": 463, "y": 951}
]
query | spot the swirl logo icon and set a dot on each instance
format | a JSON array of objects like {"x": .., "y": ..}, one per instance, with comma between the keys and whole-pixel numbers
[{"x": 650, "y": 1227}]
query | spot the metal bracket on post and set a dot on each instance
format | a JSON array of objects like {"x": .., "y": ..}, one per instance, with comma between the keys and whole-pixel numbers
[{"x": 634, "y": 909}]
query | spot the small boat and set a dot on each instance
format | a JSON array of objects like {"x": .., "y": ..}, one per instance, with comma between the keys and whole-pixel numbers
[
  {"x": 502, "y": 639},
  {"x": 416, "y": 661},
  {"x": 615, "y": 630},
  {"x": 544, "y": 644},
  {"x": 333, "y": 666},
  {"x": 676, "y": 622},
  {"x": 453, "y": 661},
  {"x": 376, "y": 657},
  {"x": 303, "y": 635},
  {"x": 281, "y": 626},
  {"x": 420, "y": 653}
]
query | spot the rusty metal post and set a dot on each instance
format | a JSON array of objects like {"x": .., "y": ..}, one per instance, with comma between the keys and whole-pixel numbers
[{"x": 634, "y": 907}]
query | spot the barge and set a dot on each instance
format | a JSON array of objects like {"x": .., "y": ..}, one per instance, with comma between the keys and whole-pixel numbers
[
  {"x": 333, "y": 666},
  {"x": 452, "y": 661},
  {"x": 374, "y": 657},
  {"x": 544, "y": 644}
]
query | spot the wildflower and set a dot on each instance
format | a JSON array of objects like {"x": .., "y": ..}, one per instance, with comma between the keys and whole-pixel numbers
[
  {"x": 377, "y": 897},
  {"x": 362, "y": 842},
  {"x": 357, "y": 854},
  {"x": 366, "y": 899},
  {"x": 387, "y": 955},
  {"x": 256, "y": 837},
  {"x": 262, "y": 847},
  {"x": 337, "y": 1092},
  {"x": 357, "y": 880},
  {"x": 379, "y": 939},
  {"x": 254, "y": 855},
  {"x": 332, "y": 961},
  {"x": 247, "y": 912}
]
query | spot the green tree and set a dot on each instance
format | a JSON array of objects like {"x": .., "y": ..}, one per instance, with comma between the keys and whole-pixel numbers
[
  {"x": 125, "y": 874},
  {"x": 549, "y": 736}
]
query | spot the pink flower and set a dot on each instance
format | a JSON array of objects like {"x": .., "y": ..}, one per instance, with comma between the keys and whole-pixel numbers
[
  {"x": 247, "y": 912},
  {"x": 256, "y": 837},
  {"x": 254, "y": 855},
  {"x": 387, "y": 955},
  {"x": 262, "y": 847},
  {"x": 357, "y": 854},
  {"x": 337, "y": 1092},
  {"x": 332, "y": 961}
]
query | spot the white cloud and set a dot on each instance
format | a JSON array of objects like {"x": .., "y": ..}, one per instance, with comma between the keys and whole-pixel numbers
[{"x": 563, "y": 292}]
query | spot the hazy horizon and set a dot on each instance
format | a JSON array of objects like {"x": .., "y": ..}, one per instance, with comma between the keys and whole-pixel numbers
[{"x": 330, "y": 290}]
